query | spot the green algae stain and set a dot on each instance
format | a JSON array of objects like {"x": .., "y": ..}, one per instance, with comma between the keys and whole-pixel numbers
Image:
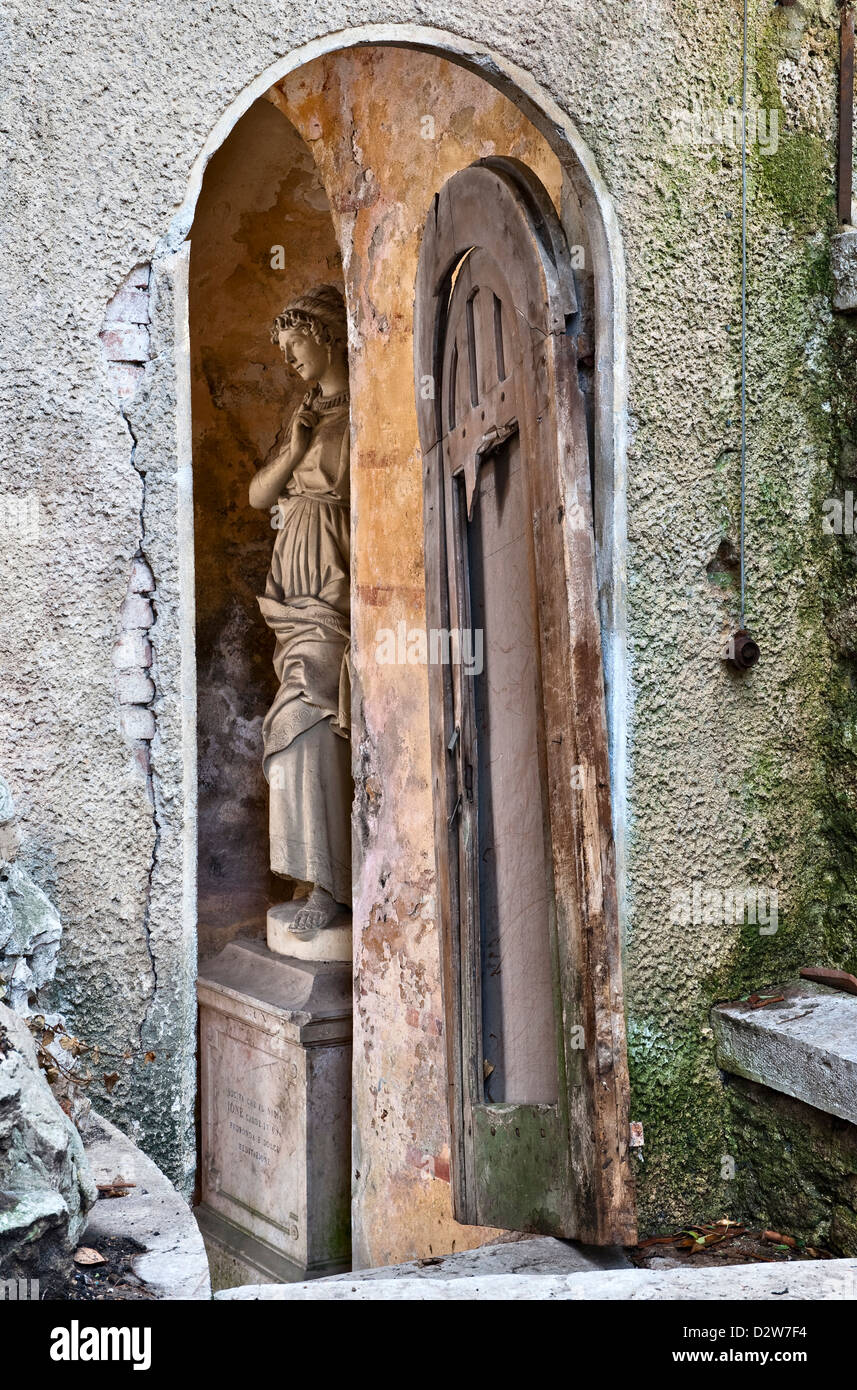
[{"x": 798, "y": 801}]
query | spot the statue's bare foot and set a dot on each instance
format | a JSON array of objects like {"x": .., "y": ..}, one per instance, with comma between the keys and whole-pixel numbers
[{"x": 320, "y": 910}]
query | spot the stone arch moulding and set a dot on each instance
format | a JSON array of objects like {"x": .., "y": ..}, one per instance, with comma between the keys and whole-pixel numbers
[{"x": 588, "y": 217}]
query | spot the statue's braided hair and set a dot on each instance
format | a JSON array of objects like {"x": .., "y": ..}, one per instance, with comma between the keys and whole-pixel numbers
[{"x": 320, "y": 313}]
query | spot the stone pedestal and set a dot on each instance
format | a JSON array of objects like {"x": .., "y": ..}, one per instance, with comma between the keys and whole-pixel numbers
[
  {"x": 332, "y": 943},
  {"x": 275, "y": 1050}
]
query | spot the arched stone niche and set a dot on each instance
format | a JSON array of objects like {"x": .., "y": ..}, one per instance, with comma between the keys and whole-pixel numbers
[
  {"x": 262, "y": 231},
  {"x": 384, "y": 127}
]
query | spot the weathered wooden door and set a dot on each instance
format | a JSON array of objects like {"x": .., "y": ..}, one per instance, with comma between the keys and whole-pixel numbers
[{"x": 526, "y": 889}]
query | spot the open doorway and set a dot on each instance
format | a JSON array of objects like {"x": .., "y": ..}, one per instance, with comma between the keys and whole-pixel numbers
[{"x": 339, "y": 192}]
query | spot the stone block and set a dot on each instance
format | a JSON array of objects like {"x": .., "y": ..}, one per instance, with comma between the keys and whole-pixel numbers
[
  {"x": 143, "y": 761},
  {"x": 126, "y": 342},
  {"x": 132, "y": 649},
  {"x": 141, "y": 579},
  {"x": 124, "y": 378},
  {"x": 275, "y": 1056},
  {"x": 128, "y": 305},
  {"x": 139, "y": 277},
  {"x": 137, "y": 612},
  {"x": 843, "y": 260},
  {"x": 134, "y": 687},
  {"x": 805, "y": 1047},
  {"x": 138, "y": 722}
]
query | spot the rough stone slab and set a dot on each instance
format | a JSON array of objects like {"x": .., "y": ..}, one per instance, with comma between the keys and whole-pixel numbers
[
  {"x": 843, "y": 260},
  {"x": 805, "y": 1047},
  {"x": 174, "y": 1265},
  {"x": 540, "y": 1255},
  {"x": 809, "y": 1279},
  {"x": 46, "y": 1187}
]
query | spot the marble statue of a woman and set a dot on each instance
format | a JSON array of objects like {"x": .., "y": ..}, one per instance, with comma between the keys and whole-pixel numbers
[{"x": 307, "y": 604}]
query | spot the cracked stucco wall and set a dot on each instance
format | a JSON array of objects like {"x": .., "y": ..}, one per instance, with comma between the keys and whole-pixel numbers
[{"x": 732, "y": 782}]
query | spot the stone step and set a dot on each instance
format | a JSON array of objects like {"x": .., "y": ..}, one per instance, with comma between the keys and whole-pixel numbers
[{"x": 798, "y": 1281}]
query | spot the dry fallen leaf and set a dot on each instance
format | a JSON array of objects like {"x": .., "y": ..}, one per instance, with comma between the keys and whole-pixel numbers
[
  {"x": 87, "y": 1256},
  {"x": 110, "y": 1078}
]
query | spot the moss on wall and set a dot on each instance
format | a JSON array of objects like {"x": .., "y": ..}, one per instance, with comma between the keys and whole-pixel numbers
[
  {"x": 786, "y": 783},
  {"x": 796, "y": 1168}
]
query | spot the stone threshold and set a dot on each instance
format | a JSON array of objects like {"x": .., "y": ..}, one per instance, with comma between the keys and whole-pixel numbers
[
  {"x": 795, "y": 1281},
  {"x": 805, "y": 1046}
]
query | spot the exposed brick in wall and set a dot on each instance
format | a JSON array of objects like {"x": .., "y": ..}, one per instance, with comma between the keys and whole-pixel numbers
[
  {"x": 125, "y": 336},
  {"x": 125, "y": 344},
  {"x": 132, "y": 661}
]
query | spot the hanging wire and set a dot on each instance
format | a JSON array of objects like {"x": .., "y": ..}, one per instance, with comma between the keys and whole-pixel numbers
[{"x": 743, "y": 310}]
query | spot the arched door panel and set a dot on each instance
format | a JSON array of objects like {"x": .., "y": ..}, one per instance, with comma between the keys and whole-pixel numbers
[{"x": 526, "y": 892}]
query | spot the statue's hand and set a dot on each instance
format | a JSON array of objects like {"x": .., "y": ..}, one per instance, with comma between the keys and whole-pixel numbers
[{"x": 302, "y": 427}]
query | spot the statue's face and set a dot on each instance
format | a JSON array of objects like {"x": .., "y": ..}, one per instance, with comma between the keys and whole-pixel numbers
[{"x": 308, "y": 358}]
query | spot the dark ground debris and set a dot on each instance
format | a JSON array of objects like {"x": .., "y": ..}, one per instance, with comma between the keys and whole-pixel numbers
[
  {"x": 115, "y": 1280},
  {"x": 722, "y": 1243}
]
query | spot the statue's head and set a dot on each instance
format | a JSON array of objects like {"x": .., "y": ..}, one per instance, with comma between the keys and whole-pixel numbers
[{"x": 313, "y": 332}]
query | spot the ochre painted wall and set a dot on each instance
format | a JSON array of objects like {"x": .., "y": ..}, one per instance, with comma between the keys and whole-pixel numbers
[{"x": 381, "y": 175}]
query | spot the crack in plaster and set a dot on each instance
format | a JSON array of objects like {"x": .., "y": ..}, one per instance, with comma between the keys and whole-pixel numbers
[{"x": 150, "y": 775}]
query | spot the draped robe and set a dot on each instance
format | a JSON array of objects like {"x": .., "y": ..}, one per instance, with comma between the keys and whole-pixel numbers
[{"x": 307, "y": 604}]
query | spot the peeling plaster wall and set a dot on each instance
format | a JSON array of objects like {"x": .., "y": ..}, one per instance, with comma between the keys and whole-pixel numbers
[
  {"x": 733, "y": 782},
  {"x": 381, "y": 175}
]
